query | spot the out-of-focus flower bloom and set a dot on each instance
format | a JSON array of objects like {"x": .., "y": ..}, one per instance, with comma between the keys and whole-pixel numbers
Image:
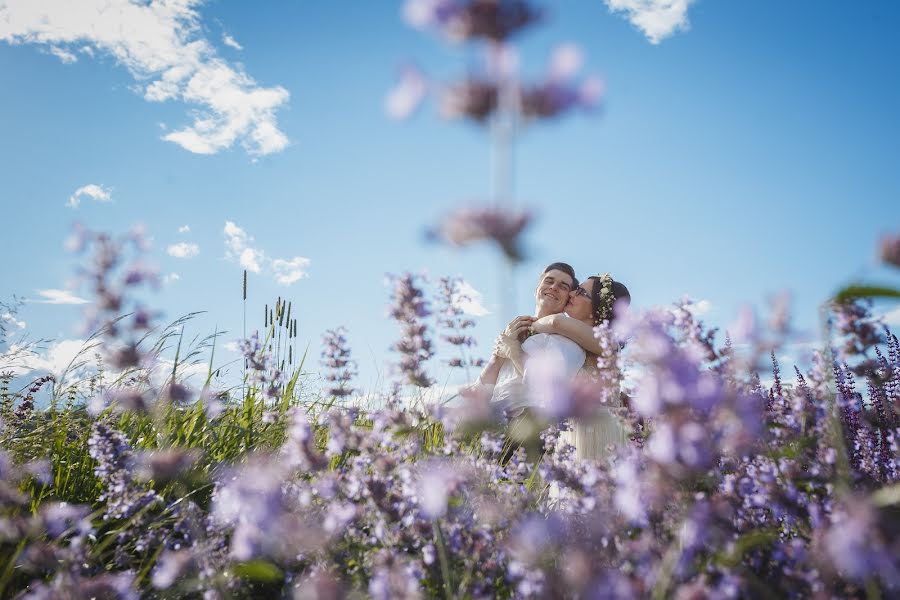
[
  {"x": 402, "y": 101},
  {"x": 167, "y": 464},
  {"x": 170, "y": 567},
  {"x": 559, "y": 93},
  {"x": 494, "y": 20},
  {"x": 889, "y": 250},
  {"x": 394, "y": 579},
  {"x": 475, "y": 98},
  {"x": 473, "y": 224},
  {"x": 857, "y": 547}
]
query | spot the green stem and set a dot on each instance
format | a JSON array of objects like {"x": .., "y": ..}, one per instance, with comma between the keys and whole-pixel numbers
[{"x": 442, "y": 557}]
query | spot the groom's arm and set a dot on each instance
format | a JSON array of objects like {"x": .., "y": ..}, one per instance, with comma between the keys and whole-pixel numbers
[
  {"x": 517, "y": 328},
  {"x": 491, "y": 370}
]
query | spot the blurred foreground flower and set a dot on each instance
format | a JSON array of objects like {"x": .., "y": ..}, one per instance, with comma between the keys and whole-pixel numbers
[
  {"x": 460, "y": 20},
  {"x": 473, "y": 224},
  {"x": 890, "y": 250}
]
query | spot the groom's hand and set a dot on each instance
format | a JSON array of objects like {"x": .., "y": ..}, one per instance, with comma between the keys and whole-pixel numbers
[{"x": 519, "y": 327}]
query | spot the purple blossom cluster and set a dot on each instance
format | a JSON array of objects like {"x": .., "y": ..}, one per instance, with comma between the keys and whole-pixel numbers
[
  {"x": 738, "y": 483},
  {"x": 340, "y": 368},
  {"x": 262, "y": 368},
  {"x": 409, "y": 307},
  {"x": 889, "y": 250},
  {"x": 474, "y": 224},
  {"x": 736, "y": 489},
  {"x": 458, "y": 20},
  {"x": 495, "y": 92},
  {"x": 453, "y": 322}
]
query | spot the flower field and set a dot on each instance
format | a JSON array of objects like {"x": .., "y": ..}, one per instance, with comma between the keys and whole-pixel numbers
[{"x": 125, "y": 487}]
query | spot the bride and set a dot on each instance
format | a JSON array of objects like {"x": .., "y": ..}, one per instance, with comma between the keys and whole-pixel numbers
[{"x": 589, "y": 305}]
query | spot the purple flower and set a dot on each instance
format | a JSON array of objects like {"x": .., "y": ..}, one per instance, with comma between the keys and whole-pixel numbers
[
  {"x": 340, "y": 368},
  {"x": 167, "y": 464},
  {"x": 501, "y": 226},
  {"x": 114, "y": 468},
  {"x": 407, "y": 95},
  {"x": 414, "y": 346},
  {"x": 494, "y": 20},
  {"x": 889, "y": 250}
]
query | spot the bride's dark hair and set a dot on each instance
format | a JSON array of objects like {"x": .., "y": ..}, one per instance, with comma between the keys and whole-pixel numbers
[{"x": 619, "y": 292}]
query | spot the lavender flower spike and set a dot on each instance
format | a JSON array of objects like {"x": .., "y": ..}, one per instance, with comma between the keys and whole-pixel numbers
[
  {"x": 408, "y": 307},
  {"x": 340, "y": 368}
]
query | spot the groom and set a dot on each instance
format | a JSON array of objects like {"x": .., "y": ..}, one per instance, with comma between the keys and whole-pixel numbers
[{"x": 505, "y": 375}]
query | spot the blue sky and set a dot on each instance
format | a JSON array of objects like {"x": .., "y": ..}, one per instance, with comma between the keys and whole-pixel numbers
[{"x": 751, "y": 151}]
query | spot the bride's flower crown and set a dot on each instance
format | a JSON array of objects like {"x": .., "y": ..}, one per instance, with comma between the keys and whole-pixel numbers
[{"x": 607, "y": 299}]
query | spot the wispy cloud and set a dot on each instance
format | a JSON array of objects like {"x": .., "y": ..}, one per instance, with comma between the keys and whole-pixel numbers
[
  {"x": 239, "y": 248},
  {"x": 53, "y": 296},
  {"x": 91, "y": 190},
  {"x": 64, "y": 55},
  {"x": 184, "y": 229},
  {"x": 11, "y": 318},
  {"x": 183, "y": 250},
  {"x": 291, "y": 270},
  {"x": 171, "y": 278},
  {"x": 657, "y": 19},
  {"x": 161, "y": 43},
  {"x": 56, "y": 358},
  {"x": 892, "y": 317},
  {"x": 469, "y": 300},
  {"x": 231, "y": 42},
  {"x": 699, "y": 307}
]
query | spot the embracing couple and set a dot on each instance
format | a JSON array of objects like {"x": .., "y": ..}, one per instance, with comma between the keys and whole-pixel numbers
[{"x": 561, "y": 329}]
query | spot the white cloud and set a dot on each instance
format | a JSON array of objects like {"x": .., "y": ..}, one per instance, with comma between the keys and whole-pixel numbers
[
  {"x": 184, "y": 229},
  {"x": 231, "y": 42},
  {"x": 11, "y": 318},
  {"x": 64, "y": 55},
  {"x": 290, "y": 271},
  {"x": 54, "y": 359},
  {"x": 700, "y": 307},
  {"x": 236, "y": 239},
  {"x": 892, "y": 317},
  {"x": 231, "y": 346},
  {"x": 250, "y": 259},
  {"x": 238, "y": 248},
  {"x": 469, "y": 300},
  {"x": 183, "y": 250},
  {"x": 91, "y": 190},
  {"x": 161, "y": 44},
  {"x": 657, "y": 19},
  {"x": 52, "y": 296},
  {"x": 171, "y": 278}
]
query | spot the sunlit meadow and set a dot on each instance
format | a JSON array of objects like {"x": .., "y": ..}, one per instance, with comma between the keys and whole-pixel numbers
[{"x": 151, "y": 466}]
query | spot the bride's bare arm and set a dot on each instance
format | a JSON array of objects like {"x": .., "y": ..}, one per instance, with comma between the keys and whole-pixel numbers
[{"x": 579, "y": 332}]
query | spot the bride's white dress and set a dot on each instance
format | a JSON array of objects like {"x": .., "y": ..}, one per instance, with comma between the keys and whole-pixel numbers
[{"x": 598, "y": 436}]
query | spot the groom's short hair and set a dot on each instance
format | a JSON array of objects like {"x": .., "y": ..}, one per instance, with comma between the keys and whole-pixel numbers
[{"x": 565, "y": 268}]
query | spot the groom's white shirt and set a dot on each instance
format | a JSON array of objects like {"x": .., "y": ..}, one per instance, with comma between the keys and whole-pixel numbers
[{"x": 510, "y": 387}]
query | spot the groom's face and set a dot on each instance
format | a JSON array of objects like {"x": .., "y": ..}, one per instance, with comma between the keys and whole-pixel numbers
[{"x": 552, "y": 291}]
